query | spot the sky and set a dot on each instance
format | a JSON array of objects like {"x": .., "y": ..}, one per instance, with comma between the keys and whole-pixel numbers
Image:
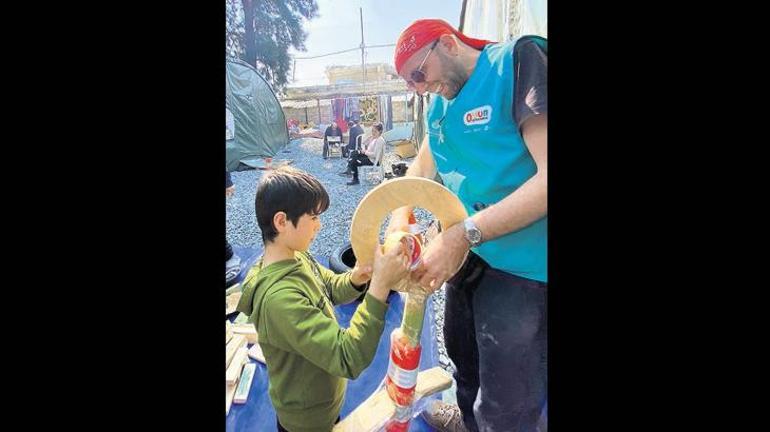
[{"x": 338, "y": 28}]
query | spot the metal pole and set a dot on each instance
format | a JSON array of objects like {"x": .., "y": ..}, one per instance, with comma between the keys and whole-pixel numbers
[
  {"x": 406, "y": 108},
  {"x": 363, "y": 65}
]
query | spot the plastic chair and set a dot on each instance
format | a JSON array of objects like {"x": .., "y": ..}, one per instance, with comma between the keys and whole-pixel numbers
[
  {"x": 374, "y": 174},
  {"x": 335, "y": 146}
]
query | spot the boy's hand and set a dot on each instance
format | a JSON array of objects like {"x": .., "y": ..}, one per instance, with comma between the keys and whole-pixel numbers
[
  {"x": 230, "y": 191},
  {"x": 389, "y": 268},
  {"x": 361, "y": 275}
]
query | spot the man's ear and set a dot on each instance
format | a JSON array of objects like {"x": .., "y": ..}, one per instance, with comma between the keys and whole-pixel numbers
[
  {"x": 449, "y": 44},
  {"x": 279, "y": 221}
]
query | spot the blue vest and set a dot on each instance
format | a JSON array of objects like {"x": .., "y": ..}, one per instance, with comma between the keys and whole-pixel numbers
[{"x": 481, "y": 157}]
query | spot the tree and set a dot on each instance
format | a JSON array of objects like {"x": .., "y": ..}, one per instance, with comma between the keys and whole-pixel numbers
[
  {"x": 260, "y": 33},
  {"x": 234, "y": 29}
]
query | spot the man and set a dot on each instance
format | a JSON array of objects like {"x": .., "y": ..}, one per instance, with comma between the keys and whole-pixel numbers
[
  {"x": 354, "y": 132},
  {"x": 332, "y": 130},
  {"x": 486, "y": 137},
  {"x": 351, "y": 151}
]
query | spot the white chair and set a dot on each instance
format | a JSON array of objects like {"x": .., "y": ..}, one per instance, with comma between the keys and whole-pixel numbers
[
  {"x": 335, "y": 146},
  {"x": 374, "y": 174}
]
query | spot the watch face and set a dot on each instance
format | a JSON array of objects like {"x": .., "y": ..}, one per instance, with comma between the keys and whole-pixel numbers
[
  {"x": 472, "y": 234},
  {"x": 475, "y": 236}
]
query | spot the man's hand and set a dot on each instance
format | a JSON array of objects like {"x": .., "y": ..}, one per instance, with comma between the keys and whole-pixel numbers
[
  {"x": 230, "y": 191},
  {"x": 442, "y": 258}
]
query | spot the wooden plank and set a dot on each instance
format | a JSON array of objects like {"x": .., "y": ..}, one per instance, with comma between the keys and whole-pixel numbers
[
  {"x": 232, "y": 347},
  {"x": 246, "y": 330},
  {"x": 369, "y": 416},
  {"x": 233, "y": 289},
  {"x": 232, "y": 302},
  {"x": 431, "y": 381},
  {"x": 228, "y": 331},
  {"x": 234, "y": 370},
  {"x": 395, "y": 193},
  {"x": 229, "y": 394},
  {"x": 375, "y": 411},
  {"x": 256, "y": 353},
  {"x": 244, "y": 384}
]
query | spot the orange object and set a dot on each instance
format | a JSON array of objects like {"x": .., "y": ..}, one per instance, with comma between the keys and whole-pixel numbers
[
  {"x": 400, "y": 420},
  {"x": 410, "y": 244},
  {"x": 402, "y": 369},
  {"x": 396, "y": 426}
]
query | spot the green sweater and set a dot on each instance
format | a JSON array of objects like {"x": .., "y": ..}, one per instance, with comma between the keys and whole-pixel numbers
[{"x": 308, "y": 354}]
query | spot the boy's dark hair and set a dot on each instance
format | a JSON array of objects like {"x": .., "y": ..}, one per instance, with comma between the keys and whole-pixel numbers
[
  {"x": 289, "y": 190},
  {"x": 378, "y": 126}
]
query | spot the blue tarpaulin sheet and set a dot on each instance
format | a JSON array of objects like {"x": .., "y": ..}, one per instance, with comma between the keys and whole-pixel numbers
[{"x": 257, "y": 414}]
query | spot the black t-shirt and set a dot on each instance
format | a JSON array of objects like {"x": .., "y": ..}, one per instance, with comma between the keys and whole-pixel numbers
[
  {"x": 332, "y": 132},
  {"x": 355, "y": 131},
  {"x": 531, "y": 81}
]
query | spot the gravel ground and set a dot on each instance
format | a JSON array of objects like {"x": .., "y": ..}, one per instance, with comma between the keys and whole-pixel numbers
[{"x": 242, "y": 228}]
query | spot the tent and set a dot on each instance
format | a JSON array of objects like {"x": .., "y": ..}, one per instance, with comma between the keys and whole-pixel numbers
[
  {"x": 502, "y": 20},
  {"x": 258, "y": 126}
]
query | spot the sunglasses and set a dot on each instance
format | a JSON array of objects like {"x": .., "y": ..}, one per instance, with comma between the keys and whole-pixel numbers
[{"x": 417, "y": 75}]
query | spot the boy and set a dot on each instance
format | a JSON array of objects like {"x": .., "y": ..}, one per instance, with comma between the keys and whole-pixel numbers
[{"x": 289, "y": 298}]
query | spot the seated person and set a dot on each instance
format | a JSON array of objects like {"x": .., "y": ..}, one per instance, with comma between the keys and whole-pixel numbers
[
  {"x": 332, "y": 130},
  {"x": 357, "y": 159},
  {"x": 354, "y": 131}
]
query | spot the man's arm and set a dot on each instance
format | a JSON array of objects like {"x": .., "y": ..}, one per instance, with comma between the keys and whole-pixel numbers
[
  {"x": 523, "y": 206},
  {"x": 529, "y": 202},
  {"x": 423, "y": 164}
]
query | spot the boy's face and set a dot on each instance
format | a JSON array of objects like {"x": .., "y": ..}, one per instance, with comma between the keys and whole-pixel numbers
[{"x": 300, "y": 237}]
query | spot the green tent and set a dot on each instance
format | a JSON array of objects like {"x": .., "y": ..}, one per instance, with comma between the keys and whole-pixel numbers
[{"x": 258, "y": 127}]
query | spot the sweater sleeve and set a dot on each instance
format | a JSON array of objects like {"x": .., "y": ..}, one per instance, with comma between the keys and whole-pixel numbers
[
  {"x": 342, "y": 289},
  {"x": 294, "y": 324}
]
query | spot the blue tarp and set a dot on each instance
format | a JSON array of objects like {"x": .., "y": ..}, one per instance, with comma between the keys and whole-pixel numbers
[{"x": 258, "y": 413}]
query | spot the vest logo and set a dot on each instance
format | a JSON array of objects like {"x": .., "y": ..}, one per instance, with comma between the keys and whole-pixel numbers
[{"x": 478, "y": 116}]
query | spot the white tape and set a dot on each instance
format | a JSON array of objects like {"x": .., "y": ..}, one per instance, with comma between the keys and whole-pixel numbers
[{"x": 405, "y": 379}]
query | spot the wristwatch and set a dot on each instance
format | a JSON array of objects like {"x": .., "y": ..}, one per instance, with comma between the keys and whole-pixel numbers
[{"x": 472, "y": 233}]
